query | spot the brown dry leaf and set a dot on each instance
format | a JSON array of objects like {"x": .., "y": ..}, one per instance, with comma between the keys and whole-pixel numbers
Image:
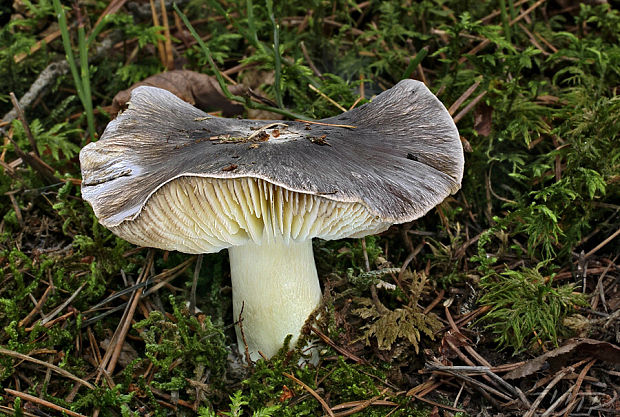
[
  {"x": 197, "y": 89},
  {"x": 603, "y": 351},
  {"x": 483, "y": 117}
]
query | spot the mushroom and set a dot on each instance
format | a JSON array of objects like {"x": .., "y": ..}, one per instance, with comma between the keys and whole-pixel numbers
[{"x": 167, "y": 175}]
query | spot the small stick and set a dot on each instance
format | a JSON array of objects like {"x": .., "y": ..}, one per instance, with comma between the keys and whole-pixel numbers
[
  {"x": 469, "y": 107},
  {"x": 53, "y": 367},
  {"x": 192, "y": 294},
  {"x": 365, "y": 251},
  {"x": 436, "y": 404},
  {"x": 485, "y": 42},
  {"x": 357, "y": 403},
  {"x": 22, "y": 118},
  {"x": 580, "y": 379},
  {"x": 11, "y": 411},
  {"x": 557, "y": 402},
  {"x": 455, "y": 106},
  {"x": 560, "y": 375},
  {"x": 168, "y": 43},
  {"x": 309, "y": 60},
  {"x": 63, "y": 305},
  {"x": 52, "y": 322},
  {"x": 15, "y": 204},
  {"x": 34, "y": 48},
  {"x": 603, "y": 243},
  {"x": 248, "y": 358},
  {"x": 36, "y": 308},
  {"x": 118, "y": 338},
  {"x": 42, "y": 402},
  {"x": 312, "y": 392},
  {"x": 160, "y": 45},
  {"x": 363, "y": 405},
  {"x": 319, "y": 92},
  {"x": 337, "y": 348}
]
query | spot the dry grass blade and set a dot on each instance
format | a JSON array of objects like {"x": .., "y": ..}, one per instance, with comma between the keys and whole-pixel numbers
[
  {"x": 326, "y": 97},
  {"x": 22, "y": 118},
  {"x": 313, "y": 393},
  {"x": 54, "y": 368},
  {"x": 324, "y": 124}
]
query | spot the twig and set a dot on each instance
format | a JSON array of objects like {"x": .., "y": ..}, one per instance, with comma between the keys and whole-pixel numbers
[
  {"x": 313, "y": 67},
  {"x": 248, "y": 358},
  {"x": 363, "y": 405},
  {"x": 168, "y": 42},
  {"x": 557, "y": 402},
  {"x": 11, "y": 411},
  {"x": 577, "y": 386},
  {"x": 337, "y": 348},
  {"x": 32, "y": 159},
  {"x": 312, "y": 392},
  {"x": 485, "y": 42},
  {"x": 63, "y": 305},
  {"x": 192, "y": 294},
  {"x": 108, "y": 363},
  {"x": 436, "y": 404},
  {"x": 47, "y": 77},
  {"x": 603, "y": 243},
  {"x": 15, "y": 204},
  {"x": 53, "y": 367},
  {"x": 560, "y": 375},
  {"x": 42, "y": 402},
  {"x": 22, "y": 118},
  {"x": 36, "y": 308},
  {"x": 470, "y": 106},
  {"x": 160, "y": 46},
  {"x": 455, "y": 106}
]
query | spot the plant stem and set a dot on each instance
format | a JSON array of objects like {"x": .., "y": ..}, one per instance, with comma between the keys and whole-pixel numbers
[
  {"x": 276, "y": 55},
  {"x": 85, "y": 78},
  {"x": 82, "y": 83},
  {"x": 220, "y": 78}
]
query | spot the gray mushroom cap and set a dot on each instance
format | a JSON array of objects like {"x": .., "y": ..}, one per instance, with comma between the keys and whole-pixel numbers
[{"x": 403, "y": 157}]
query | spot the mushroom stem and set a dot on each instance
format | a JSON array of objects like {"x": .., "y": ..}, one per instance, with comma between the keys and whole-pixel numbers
[{"x": 277, "y": 285}]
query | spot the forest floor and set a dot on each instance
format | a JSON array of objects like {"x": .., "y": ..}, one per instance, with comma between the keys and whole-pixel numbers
[{"x": 504, "y": 300}]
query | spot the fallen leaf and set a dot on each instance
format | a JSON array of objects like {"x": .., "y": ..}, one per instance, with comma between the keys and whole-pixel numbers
[
  {"x": 197, "y": 89},
  {"x": 603, "y": 351},
  {"x": 483, "y": 117}
]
